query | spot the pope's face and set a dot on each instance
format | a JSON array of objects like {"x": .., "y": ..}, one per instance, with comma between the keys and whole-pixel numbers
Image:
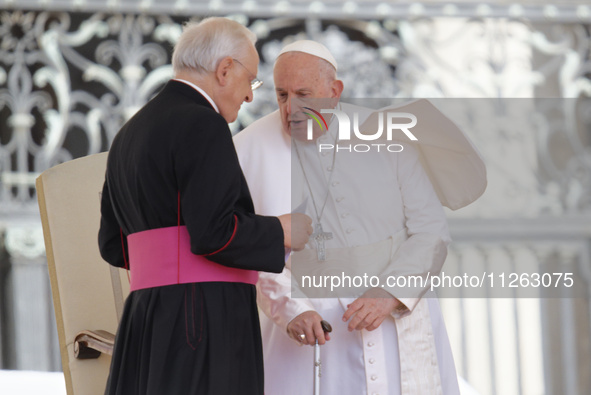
[
  {"x": 239, "y": 89},
  {"x": 297, "y": 76}
]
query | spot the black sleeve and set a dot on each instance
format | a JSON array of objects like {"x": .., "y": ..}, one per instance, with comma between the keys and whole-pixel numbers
[
  {"x": 111, "y": 242},
  {"x": 216, "y": 205}
]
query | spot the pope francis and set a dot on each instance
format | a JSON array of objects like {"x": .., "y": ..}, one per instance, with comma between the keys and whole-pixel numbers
[{"x": 387, "y": 207}]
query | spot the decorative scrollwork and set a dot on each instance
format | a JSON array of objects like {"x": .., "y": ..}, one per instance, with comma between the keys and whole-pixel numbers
[
  {"x": 69, "y": 86},
  {"x": 69, "y": 80}
]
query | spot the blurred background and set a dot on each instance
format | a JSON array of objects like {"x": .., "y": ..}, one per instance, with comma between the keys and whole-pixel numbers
[{"x": 73, "y": 71}]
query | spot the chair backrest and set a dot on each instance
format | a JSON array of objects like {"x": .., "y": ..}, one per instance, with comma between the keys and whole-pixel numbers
[{"x": 84, "y": 287}]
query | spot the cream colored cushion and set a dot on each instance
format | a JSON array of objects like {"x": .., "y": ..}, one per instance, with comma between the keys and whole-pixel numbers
[{"x": 82, "y": 288}]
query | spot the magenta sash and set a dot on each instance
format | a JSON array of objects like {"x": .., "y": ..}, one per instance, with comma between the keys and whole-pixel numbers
[{"x": 163, "y": 256}]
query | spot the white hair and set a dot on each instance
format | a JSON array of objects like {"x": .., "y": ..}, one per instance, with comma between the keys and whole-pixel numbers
[
  {"x": 202, "y": 45},
  {"x": 323, "y": 66}
]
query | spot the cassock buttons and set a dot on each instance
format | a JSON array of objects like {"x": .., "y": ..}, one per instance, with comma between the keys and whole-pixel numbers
[
  {"x": 370, "y": 344},
  {"x": 335, "y": 183},
  {"x": 329, "y": 168},
  {"x": 374, "y": 377},
  {"x": 349, "y": 231},
  {"x": 372, "y": 361},
  {"x": 340, "y": 199},
  {"x": 344, "y": 215}
]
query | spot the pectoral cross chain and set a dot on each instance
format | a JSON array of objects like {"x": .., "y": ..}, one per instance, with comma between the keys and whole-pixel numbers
[{"x": 320, "y": 237}]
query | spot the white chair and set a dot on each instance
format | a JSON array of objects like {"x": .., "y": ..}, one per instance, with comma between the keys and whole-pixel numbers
[{"x": 88, "y": 294}]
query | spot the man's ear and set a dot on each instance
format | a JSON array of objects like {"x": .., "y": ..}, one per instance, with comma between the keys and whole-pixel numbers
[
  {"x": 336, "y": 88},
  {"x": 221, "y": 72}
]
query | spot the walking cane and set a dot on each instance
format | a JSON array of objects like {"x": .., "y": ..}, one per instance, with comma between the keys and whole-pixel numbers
[{"x": 327, "y": 329}]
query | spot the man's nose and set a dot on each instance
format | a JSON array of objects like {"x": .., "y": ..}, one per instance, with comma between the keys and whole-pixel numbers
[
  {"x": 288, "y": 104},
  {"x": 249, "y": 97}
]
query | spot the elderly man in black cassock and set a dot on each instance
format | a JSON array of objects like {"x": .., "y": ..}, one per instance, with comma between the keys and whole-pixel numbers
[{"x": 177, "y": 212}]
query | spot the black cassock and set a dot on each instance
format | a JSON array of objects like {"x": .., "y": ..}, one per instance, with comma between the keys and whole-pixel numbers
[{"x": 198, "y": 338}]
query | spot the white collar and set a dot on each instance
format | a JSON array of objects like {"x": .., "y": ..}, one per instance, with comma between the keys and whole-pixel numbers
[{"x": 209, "y": 99}]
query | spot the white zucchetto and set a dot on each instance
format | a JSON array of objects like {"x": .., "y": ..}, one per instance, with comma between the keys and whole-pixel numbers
[{"x": 312, "y": 48}]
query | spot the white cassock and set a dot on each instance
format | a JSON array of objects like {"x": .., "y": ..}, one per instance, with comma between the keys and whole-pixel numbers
[{"x": 408, "y": 354}]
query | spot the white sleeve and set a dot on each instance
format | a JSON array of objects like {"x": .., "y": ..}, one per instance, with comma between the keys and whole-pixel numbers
[
  {"x": 274, "y": 297},
  {"x": 425, "y": 250}
]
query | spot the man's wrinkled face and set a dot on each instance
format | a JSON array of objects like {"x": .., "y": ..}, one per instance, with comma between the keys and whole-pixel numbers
[
  {"x": 300, "y": 77},
  {"x": 239, "y": 90}
]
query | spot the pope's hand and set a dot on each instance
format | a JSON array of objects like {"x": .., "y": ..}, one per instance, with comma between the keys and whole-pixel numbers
[
  {"x": 370, "y": 309},
  {"x": 307, "y": 324},
  {"x": 297, "y": 229}
]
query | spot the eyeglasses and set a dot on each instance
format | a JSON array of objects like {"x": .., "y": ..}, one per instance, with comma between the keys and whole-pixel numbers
[{"x": 255, "y": 83}]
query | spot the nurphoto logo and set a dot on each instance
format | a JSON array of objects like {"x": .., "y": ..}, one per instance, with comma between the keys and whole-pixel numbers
[{"x": 393, "y": 128}]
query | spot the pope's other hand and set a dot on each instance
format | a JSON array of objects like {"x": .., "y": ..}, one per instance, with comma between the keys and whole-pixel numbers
[{"x": 307, "y": 324}]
